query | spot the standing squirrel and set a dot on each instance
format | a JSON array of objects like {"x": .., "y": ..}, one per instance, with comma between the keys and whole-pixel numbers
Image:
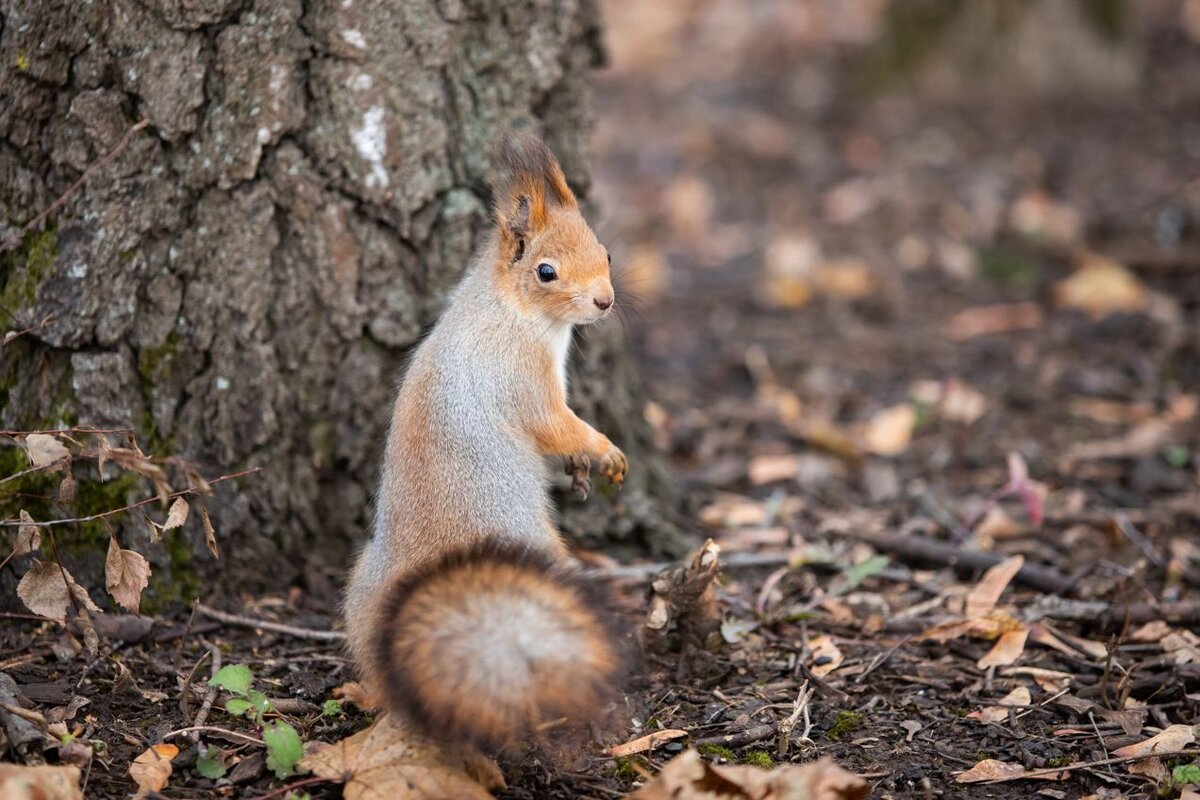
[{"x": 464, "y": 611}]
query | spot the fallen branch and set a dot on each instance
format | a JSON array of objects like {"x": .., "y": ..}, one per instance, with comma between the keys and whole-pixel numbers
[
  {"x": 755, "y": 733},
  {"x": 17, "y": 237},
  {"x": 1113, "y": 616},
  {"x": 945, "y": 554},
  {"x": 275, "y": 627}
]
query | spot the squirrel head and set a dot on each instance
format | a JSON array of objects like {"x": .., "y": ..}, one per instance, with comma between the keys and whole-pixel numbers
[{"x": 548, "y": 260}]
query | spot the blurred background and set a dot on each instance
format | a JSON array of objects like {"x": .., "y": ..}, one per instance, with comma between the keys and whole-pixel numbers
[{"x": 877, "y": 246}]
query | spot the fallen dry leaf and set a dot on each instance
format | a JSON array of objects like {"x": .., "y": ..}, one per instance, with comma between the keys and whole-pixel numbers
[
  {"x": 1176, "y": 737},
  {"x": 152, "y": 769},
  {"x": 1049, "y": 680},
  {"x": 1100, "y": 287},
  {"x": 990, "y": 320},
  {"x": 1018, "y": 697},
  {"x": 1037, "y": 215},
  {"x": 21, "y": 782},
  {"x": 788, "y": 265},
  {"x": 984, "y": 596},
  {"x": 1006, "y": 651},
  {"x": 689, "y": 777},
  {"x": 44, "y": 449},
  {"x": 844, "y": 278},
  {"x": 1152, "y": 768},
  {"x": 126, "y": 574},
  {"x": 644, "y": 743},
  {"x": 772, "y": 468},
  {"x": 47, "y": 589},
  {"x": 889, "y": 431},
  {"x": 393, "y": 761},
  {"x": 29, "y": 537},
  {"x": 826, "y": 655},
  {"x": 992, "y": 770}
]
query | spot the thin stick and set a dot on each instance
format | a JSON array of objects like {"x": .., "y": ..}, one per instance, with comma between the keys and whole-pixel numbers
[
  {"x": 215, "y": 730},
  {"x": 17, "y": 237},
  {"x": 743, "y": 737},
  {"x": 181, "y": 493},
  {"x": 275, "y": 627},
  {"x": 202, "y": 716},
  {"x": 282, "y": 790}
]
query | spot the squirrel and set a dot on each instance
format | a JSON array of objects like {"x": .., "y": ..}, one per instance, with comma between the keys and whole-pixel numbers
[{"x": 464, "y": 611}]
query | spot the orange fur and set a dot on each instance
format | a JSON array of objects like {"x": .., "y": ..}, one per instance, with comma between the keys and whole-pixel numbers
[{"x": 483, "y": 400}]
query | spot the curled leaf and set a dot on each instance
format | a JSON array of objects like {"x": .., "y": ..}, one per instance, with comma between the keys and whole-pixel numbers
[
  {"x": 126, "y": 574},
  {"x": 47, "y": 589},
  {"x": 177, "y": 515},
  {"x": 152, "y": 769},
  {"x": 29, "y": 537}
]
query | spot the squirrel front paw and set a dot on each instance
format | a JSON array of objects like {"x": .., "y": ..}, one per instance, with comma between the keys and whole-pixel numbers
[
  {"x": 579, "y": 467},
  {"x": 614, "y": 465}
]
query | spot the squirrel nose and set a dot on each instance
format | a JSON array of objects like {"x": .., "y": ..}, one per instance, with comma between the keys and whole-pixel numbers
[{"x": 603, "y": 303}]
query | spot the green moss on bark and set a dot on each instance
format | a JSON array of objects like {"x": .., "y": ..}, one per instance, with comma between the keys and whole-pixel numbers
[{"x": 26, "y": 269}]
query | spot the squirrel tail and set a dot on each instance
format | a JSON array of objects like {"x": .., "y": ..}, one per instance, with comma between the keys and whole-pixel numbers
[{"x": 491, "y": 642}]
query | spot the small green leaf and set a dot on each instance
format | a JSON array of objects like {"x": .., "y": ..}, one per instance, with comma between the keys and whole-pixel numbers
[
  {"x": 208, "y": 764},
  {"x": 235, "y": 678},
  {"x": 852, "y": 577},
  {"x": 259, "y": 700},
  {"x": 284, "y": 748},
  {"x": 237, "y": 706},
  {"x": 1188, "y": 773},
  {"x": 331, "y": 708}
]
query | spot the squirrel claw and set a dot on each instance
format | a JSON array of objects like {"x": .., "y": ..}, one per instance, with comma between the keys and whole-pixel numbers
[
  {"x": 614, "y": 465},
  {"x": 579, "y": 468}
]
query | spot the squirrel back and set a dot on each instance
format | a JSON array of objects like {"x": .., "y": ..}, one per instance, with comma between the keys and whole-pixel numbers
[{"x": 464, "y": 611}]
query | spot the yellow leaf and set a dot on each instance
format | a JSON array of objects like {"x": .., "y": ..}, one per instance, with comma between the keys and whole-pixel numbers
[
  {"x": 152, "y": 769},
  {"x": 826, "y": 655},
  {"x": 126, "y": 574}
]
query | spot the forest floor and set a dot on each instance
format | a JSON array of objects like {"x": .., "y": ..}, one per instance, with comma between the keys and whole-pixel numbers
[{"x": 888, "y": 344}]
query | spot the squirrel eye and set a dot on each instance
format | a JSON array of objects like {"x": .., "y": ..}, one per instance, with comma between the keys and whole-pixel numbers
[{"x": 546, "y": 273}]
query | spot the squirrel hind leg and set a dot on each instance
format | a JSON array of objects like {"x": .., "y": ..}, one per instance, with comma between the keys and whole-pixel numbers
[{"x": 490, "y": 644}]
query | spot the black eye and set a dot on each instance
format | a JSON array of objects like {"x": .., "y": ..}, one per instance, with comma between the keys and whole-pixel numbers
[{"x": 546, "y": 273}]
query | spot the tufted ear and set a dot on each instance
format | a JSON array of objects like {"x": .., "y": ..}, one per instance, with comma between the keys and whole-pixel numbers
[{"x": 529, "y": 182}]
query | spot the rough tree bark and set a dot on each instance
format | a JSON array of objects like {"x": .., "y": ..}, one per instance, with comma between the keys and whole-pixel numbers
[{"x": 241, "y": 284}]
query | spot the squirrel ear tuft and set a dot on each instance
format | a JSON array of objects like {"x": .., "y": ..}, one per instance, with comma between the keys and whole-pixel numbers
[{"x": 529, "y": 180}]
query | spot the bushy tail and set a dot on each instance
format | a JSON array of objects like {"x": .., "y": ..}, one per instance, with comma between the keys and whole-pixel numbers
[{"x": 487, "y": 644}]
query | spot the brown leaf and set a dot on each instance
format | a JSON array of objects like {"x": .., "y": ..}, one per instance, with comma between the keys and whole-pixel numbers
[
  {"x": 43, "y": 449},
  {"x": 990, "y": 320},
  {"x": 1100, "y": 287},
  {"x": 844, "y": 278},
  {"x": 645, "y": 743},
  {"x": 20, "y": 782},
  {"x": 29, "y": 537},
  {"x": 66, "y": 490},
  {"x": 126, "y": 574},
  {"x": 984, "y": 596},
  {"x": 1006, "y": 651},
  {"x": 826, "y": 655},
  {"x": 177, "y": 515},
  {"x": 152, "y": 769},
  {"x": 689, "y": 777},
  {"x": 889, "y": 431},
  {"x": 1018, "y": 697},
  {"x": 47, "y": 588},
  {"x": 772, "y": 468},
  {"x": 1176, "y": 737},
  {"x": 210, "y": 535},
  {"x": 992, "y": 770},
  {"x": 390, "y": 760}
]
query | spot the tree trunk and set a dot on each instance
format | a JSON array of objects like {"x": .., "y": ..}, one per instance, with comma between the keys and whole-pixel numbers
[{"x": 240, "y": 285}]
